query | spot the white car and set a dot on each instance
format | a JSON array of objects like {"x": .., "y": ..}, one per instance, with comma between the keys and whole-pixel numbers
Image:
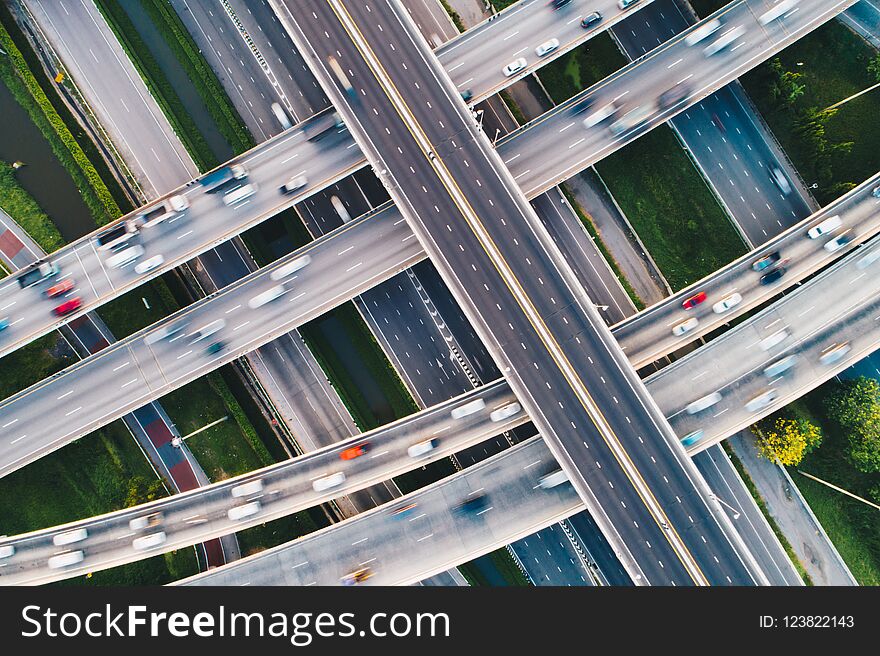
[
  {"x": 685, "y": 327},
  {"x": 266, "y": 297},
  {"x": 762, "y": 400},
  {"x": 69, "y": 537},
  {"x": 240, "y": 512},
  {"x": 726, "y": 303},
  {"x": 327, "y": 482},
  {"x": 702, "y": 403},
  {"x": 291, "y": 267},
  {"x": 514, "y": 67},
  {"x": 6, "y": 551},
  {"x": 468, "y": 408},
  {"x": 421, "y": 448},
  {"x": 547, "y": 47},
  {"x": 507, "y": 411},
  {"x": 296, "y": 182},
  {"x": 248, "y": 489},
  {"x": 149, "y": 264},
  {"x": 838, "y": 242},
  {"x": 780, "y": 180},
  {"x": 780, "y": 366},
  {"x": 833, "y": 353},
  {"x": 65, "y": 560},
  {"x": 150, "y": 541},
  {"x": 553, "y": 479}
]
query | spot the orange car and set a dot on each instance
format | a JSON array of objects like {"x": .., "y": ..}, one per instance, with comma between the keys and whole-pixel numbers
[
  {"x": 355, "y": 451},
  {"x": 60, "y": 288}
]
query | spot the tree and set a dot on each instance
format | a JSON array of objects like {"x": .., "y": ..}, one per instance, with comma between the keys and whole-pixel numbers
[
  {"x": 140, "y": 490},
  {"x": 788, "y": 440},
  {"x": 874, "y": 67},
  {"x": 785, "y": 86},
  {"x": 855, "y": 405}
]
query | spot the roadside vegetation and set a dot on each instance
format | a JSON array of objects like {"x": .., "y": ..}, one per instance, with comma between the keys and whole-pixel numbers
[
  {"x": 21, "y": 206},
  {"x": 834, "y": 149},
  {"x": 21, "y": 80}
]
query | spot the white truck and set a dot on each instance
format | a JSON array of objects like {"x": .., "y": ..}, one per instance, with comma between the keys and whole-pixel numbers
[{"x": 169, "y": 208}]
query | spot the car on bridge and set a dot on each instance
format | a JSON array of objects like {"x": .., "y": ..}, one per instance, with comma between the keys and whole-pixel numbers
[
  {"x": 702, "y": 403},
  {"x": 767, "y": 261},
  {"x": 726, "y": 303},
  {"x": 505, "y": 412},
  {"x": 685, "y": 327},
  {"x": 355, "y": 451},
  {"x": 834, "y": 353},
  {"x": 838, "y": 242},
  {"x": 692, "y": 438},
  {"x": 547, "y": 47},
  {"x": 68, "y": 306},
  {"x": 514, "y": 67},
  {"x": 591, "y": 19},
  {"x": 357, "y": 576},
  {"x": 773, "y": 275},
  {"x": 762, "y": 400},
  {"x": 694, "y": 300},
  {"x": 473, "y": 504},
  {"x": 60, "y": 288},
  {"x": 422, "y": 448}
]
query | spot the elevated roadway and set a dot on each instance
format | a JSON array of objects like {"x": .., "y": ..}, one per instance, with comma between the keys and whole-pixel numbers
[
  {"x": 282, "y": 489},
  {"x": 465, "y": 221}
]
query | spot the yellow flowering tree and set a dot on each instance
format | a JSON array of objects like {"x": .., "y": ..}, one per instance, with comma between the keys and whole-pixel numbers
[{"x": 788, "y": 440}]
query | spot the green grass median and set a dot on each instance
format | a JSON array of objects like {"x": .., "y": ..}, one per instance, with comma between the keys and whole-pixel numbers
[{"x": 22, "y": 207}]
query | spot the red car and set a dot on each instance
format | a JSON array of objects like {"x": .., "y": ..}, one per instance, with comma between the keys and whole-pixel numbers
[
  {"x": 694, "y": 301},
  {"x": 60, "y": 288},
  {"x": 68, "y": 306},
  {"x": 355, "y": 451}
]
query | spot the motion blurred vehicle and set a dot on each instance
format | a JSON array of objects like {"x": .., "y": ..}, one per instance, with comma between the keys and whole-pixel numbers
[
  {"x": 291, "y": 267},
  {"x": 468, "y": 408},
  {"x": 773, "y": 275},
  {"x": 65, "y": 560},
  {"x": 4, "y": 323},
  {"x": 869, "y": 259},
  {"x": 60, "y": 288},
  {"x": 357, "y": 576},
  {"x": 702, "y": 403},
  {"x": 150, "y": 541},
  {"x": 125, "y": 257},
  {"x": 703, "y": 32},
  {"x": 69, "y": 537},
  {"x": 215, "y": 348},
  {"x": 875, "y": 192},
  {"x": 239, "y": 194},
  {"x": 591, "y": 19},
  {"x": 780, "y": 366},
  {"x": 207, "y": 330},
  {"x": 472, "y": 504},
  {"x": 557, "y": 4},
  {"x": 218, "y": 179},
  {"x": 834, "y": 353},
  {"x": 552, "y": 479},
  {"x": 248, "y": 489},
  {"x": 421, "y": 448},
  {"x": 762, "y": 400},
  {"x": 778, "y": 11},
  {"x": 514, "y": 67},
  {"x": 716, "y": 121},
  {"x": 547, "y": 47},
  {"x": 145, "y": 521},
  {"x": 830, "y": 224},
  {"x": 726, "y": 303},
  {"x": 506, "y": 412},
  {"x": 772, "y": 340},
  {"x": 838, "y": 242},
  {"x": 266, "y": 297},
  {"x": 6, "y": 551},
  {"x": 467, "y": 94},
  {"x": 763, "y": 262},
  {"x": 632, "y": 119},
  {"x": 601, "y": 114},
  {"x": 623, "y": 4},
  {"x": 694, "y": 300},
  {"x": 68, "y": 306},
  {"x": 692, "y": 438},
  {"x": 281, "y": 115},
  {"x": 296, "y": 182},
  {"x": 583, "y": 105},
  {"x": 725, "y": 40},
  {"x": 328, "y": 482},
  {"x": 149, "y": 264},
  {"x": 404, "y": 510},
  {"x": 355, "y": 451},
  {"x": 240, "y": 512},
  {"x": 166, "y": 331},
  {"x": 685, "y": 327},
  {"x": 38, "y": 272},
  {"x": 779, "y": 179},
  {"x": 674, "y": 95}
]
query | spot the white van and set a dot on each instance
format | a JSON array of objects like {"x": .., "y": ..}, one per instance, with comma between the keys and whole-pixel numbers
[
  {"x": 468, "y": 408},
  {"x": 6, "y": 551},
  {"x": 240, "y": 512},
  {"x": 239, "y": 194},
  {"x": 249, "y": 488},
  {"x": 65, "y": 559},
  {"x": 421, "y": 448},
  {"x": 703, "y": 32},
  {"x": 266, "y": 297},
  {"x": 125, "y": 256},
  {"x": 702, "y": 403},
  {"x": 830, "y": 224},
  {"x": 290, "y": 268},
  {"x": 150, "y": 541},
  {"x": 327, "y": 482},
  {"x": 553, "y": 479},
  {"x": 69, "y": 537}
]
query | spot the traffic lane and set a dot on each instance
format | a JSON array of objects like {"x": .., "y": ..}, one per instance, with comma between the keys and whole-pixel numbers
[
  {"x": 475, "y": 59},
  {"x": 548, "y": 550},
  {"x": 399, "y": 550},
  {"x": 809, "y": 319},
  {"x": 721, "y": 476},
  {"x": 168, "y": 363},
  {"x": 458, "y": 263},
  {"x": 566, "y": 146},
  {"x": 182, "y": 237},
  {"x": 648, "y": 335},
  {"x": 279, "y": 490}
]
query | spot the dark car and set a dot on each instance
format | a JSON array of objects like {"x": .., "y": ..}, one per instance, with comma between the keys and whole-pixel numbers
[
  {"x": 773, "y": 275},
  {"x": 216, "y": 347},
  {"x": 467, "y": 94},
  {"x": 768, "y": 260},
  {"x": 557, "y": 4},
  {"x": 694, "y": 300},
  {"x": 591, "y": 19},
  {"x": 674, "y": 95},
  {"x": 473, "y": 504},
  {"x": 582, "y": 105}
]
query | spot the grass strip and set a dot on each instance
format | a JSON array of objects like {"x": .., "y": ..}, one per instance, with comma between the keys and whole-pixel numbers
[
  {"x": 759, "y": 501},
  {"x": 456, "y": 19},
  {"x": 228, "y": 121},
  {"x": 159, "y": 86},
  {"x": 22, "y": 207},
  {"x": 22, "y": 83}
]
